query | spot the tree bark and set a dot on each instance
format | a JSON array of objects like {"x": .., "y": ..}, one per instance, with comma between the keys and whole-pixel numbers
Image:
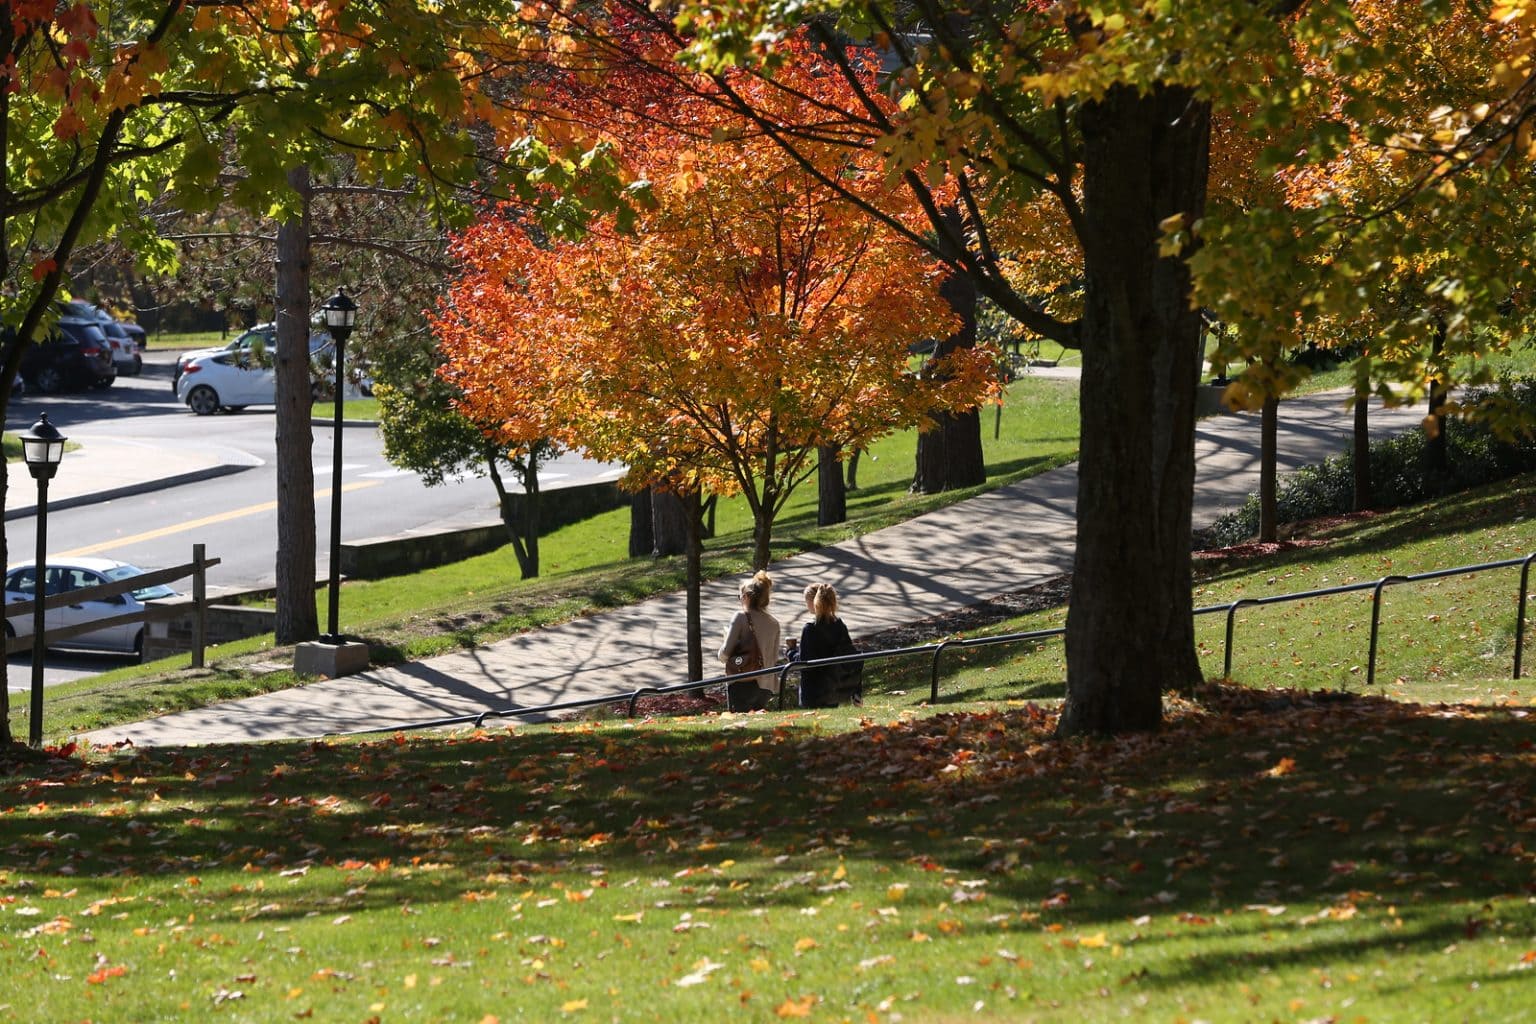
[
  {"x": 1437, "y": 460},
  {"x": 670, "y": 523},
  {"x": 642, "y": 538},
  {"x": 297, "y": 618},
  {"x": 1269, "y": 505},
  {"x": 1130, "y": 628},
  {"x": 690, "y": 505},
  {"x": 831, "y": 492},
  {"x": 949, "y": 453},
  {"x": 853, "y": 470},
  {"x": 519, "y": 514},
  {"x": 1364, "y": 496}
]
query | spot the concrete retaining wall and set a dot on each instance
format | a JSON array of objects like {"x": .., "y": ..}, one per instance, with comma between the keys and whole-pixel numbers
[
  {"x": 225, "y": 622},
  {"x": 380, "y": 557},
  {"x": 377, "y": 558}
]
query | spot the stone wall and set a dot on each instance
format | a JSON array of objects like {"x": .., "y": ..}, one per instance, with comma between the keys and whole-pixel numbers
[
  {"x": 380, "y": 557},
  {"x": 225, "y": 623}
]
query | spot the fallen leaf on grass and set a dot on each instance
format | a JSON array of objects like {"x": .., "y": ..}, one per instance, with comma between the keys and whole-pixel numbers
[
  {"x": 701, "y": 972},
  {"x": 796, "y": 1007}
]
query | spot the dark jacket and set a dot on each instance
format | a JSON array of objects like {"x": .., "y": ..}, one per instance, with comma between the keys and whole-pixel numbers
[{"x": 822, "y": 639}]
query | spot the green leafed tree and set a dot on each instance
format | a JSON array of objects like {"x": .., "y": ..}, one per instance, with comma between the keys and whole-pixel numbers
[{"x": 1080, "y": 136}]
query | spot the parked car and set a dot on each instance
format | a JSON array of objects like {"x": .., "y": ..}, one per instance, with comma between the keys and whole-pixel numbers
[
  {"x": 76, "y": 355},
  {"x": 78, "y": 574},
  {"x": 257, "y": 342},
  {"x": 136, "y": 334},
  {"x": 231, "y": 379},
  {"x": 125, "y": 351},
  {"x": 79, "y": 309}
]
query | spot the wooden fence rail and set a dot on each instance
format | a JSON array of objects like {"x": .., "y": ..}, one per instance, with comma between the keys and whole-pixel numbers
[{"x": 197, "y": 569}]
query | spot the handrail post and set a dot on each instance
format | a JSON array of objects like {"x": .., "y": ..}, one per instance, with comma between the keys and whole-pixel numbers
[
  {"x": 933, "y": 695},
  {"x": 199, "y": 604},
  {"x": 1226, "y": 667},
  {"x": 1370, "y": 665},
  {"x": 1525, "y": 581}
]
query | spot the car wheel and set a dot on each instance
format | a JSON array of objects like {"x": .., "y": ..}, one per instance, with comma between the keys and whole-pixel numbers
[
  {"x": 203, "y": 400},
  {"x": 103, "y": 382},
  {"x": 138, "y": 365},
  {"x": 49, "y": 380},
  {"x": 138, "y": 645}
]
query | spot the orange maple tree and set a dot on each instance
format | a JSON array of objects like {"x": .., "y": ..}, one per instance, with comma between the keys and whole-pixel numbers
[{"x": 750, "y": 318}]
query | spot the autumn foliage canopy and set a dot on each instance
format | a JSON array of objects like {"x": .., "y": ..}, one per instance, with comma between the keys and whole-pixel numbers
[{"x": 750, "y": 317}]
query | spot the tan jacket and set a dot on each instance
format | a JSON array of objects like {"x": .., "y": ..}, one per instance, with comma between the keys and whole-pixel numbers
[{"x": 766, "y": 628}]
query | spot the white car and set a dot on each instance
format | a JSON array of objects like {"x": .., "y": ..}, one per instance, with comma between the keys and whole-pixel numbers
[
  {"x": 235, "y": 378},
  {"x": 79, "y": 573},
  {"x": 255, "y": 342}
]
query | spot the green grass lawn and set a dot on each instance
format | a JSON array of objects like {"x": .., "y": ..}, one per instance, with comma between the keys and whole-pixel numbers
[
  {"x": 585, "y": 568},
  {"x": 1270, "y": 855},
  {"x": 1285, "y": 860}
]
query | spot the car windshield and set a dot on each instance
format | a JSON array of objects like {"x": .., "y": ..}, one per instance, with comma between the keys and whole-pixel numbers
[{"x": 123, "y": 572}]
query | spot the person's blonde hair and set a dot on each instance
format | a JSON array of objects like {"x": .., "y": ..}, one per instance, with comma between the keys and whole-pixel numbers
[
  {"x": 757, "y": 588},
  {"x": 822, "y": 598}
]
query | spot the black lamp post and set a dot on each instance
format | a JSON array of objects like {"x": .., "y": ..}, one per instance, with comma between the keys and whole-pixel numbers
[
  {"x": 340, "y": 314},
  {"x": 43, "y": 449}
]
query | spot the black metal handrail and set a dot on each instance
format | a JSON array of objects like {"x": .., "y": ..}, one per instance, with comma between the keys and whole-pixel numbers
[{"x": 938, "y": 649}]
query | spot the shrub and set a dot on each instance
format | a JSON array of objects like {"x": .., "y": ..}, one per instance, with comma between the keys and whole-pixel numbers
[{"x": 1491, "y": 440}]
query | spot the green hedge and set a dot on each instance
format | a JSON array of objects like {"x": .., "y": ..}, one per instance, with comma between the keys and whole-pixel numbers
[{"x": 1492, "y": 440}]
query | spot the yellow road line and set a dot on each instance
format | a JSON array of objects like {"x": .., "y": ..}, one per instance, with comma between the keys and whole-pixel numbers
[{"x": 192, "y": 524}]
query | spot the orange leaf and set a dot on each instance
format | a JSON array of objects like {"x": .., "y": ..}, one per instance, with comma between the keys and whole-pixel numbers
[{"x": 796, "y": 1007}]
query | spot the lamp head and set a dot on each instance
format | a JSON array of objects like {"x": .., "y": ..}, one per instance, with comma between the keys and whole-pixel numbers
[
  {"x": 43, "y": 448},
  {"x": 340, "y": 314}
]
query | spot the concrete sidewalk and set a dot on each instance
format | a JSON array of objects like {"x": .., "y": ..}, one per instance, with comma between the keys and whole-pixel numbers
[
  {"x": 104, "y": 467},
  {"x": 958, "y": 556}
]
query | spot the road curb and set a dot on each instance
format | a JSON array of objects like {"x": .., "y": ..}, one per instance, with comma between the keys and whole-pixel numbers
[{"x": 128, "y": 490}]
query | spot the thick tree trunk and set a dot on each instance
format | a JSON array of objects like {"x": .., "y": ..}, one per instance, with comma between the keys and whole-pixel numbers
[
  {"x": 642, "y": 538},
  {"x": 1269, "y": 484},
  {"x": 1130, "y": 628},
  {"x": 949, "y": 453},
  {"x": 297, "y": 619},
  {"x": 670, "y": 523},
  {"x": 831, "y": 492},
  {"x": 1364, "y": 496}
]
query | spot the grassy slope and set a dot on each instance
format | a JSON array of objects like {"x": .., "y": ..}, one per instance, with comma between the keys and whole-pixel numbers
[
  {"x": 585, "y": 568},
  {"x": 1265, "y": 857},
  {"x": 1268, "y": 856}
]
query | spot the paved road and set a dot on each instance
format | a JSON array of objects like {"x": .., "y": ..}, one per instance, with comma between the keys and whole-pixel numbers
[
  {"x": 221, "y": 483},
  {"x": 930, "y": 565},
  {"x": 149, "y": 480}
]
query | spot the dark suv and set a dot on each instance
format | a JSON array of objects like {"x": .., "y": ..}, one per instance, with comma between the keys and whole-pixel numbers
[{"x": 77, "y": 355}]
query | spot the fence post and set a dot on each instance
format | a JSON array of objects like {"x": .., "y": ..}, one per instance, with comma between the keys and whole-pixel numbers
[
  {"x": 1525, "y": 580},
  {"x": 1381, "y": 584},
  {"x": 199, "y": 604},
  {"x": 1226, "y": 668},
  {"x": 933, "y": 695}
]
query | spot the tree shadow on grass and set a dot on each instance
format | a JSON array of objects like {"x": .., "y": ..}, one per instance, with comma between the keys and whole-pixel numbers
[{"x": 1334, "y": 811}]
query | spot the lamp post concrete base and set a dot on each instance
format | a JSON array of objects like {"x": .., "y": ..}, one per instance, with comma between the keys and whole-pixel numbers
[{"x": 318, "y": 658}]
